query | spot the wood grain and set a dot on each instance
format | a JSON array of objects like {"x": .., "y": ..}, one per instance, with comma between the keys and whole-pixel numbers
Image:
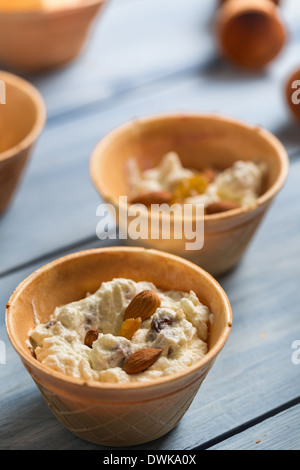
[
  {"x": 277, "y": 433},
  {"x": 169, "y": 65}
]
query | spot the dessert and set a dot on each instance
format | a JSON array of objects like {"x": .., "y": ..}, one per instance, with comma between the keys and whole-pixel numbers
[
  {"x": 126, "y": 331},
  {"x": 218, "y": 190}
]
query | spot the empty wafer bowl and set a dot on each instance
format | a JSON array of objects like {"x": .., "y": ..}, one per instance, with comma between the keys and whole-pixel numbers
[{"x": 22, "y": 119}]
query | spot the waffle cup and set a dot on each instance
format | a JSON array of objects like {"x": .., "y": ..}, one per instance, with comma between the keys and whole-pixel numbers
[
  {"x": 39, "y": 40},
  {"x": 251, "y": 33},
  {"x": 115, "y": 414},
  {"x": 277, "y": 2},
  {"x": 200, "y": 141},
  {"x": 22, "y": 119}
]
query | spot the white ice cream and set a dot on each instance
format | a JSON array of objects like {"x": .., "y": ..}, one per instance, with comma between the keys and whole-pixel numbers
[
  {"x": 179, "y": 327},
  {"x": 242, "y": 183}
]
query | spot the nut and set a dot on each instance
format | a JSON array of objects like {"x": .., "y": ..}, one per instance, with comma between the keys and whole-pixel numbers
[
  {"x": 130, "y": 327},
  {"x": 221, "y": 206},
  {"x": 91, "y": 336},
  {"x": 210, "y": 174},
  {"x": 141, "y": 360},
  {"x": 142, "y": 305},
  {"x": 155, "y": 197}
]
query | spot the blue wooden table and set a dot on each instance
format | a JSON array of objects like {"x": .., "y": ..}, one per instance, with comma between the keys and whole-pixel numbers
[{"x": 145, "y": 57}]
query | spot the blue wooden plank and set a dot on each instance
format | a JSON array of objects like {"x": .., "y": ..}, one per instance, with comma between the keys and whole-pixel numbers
[
  {"x": 56, "y": 207},
  {"x": 253, "y": 375},
  {"x": 281, "y": 432},
  {"x": 132, "y": 44}
]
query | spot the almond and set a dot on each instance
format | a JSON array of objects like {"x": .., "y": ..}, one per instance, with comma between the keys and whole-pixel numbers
[
  {"x": 142, "y": 305},
  {"x": 221, "y": 206},
  {"x": 91, "y": 336},
  {"x": 210, "y": 174},
  {"x": 130, "y": 327},
  {"x": 155, "y": 197},
  {"x": 141, "y": 360}
]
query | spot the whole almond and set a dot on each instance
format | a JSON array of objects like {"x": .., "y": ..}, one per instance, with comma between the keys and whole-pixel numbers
[
  {"x": 142, "y": 305},
  {"x": 91, "y": 336},
  {"x": 221, "y": 206},
  {"x": 155, "y": 197},
  {"x": 130, "y": 327},
  {"x": 141, "y": 360}
]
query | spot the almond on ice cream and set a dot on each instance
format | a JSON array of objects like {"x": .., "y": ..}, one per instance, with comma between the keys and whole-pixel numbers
[{"x": 219, "y": 190}]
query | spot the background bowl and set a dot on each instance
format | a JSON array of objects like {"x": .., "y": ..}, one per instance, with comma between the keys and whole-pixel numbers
[
  {"x": 35, "y": 41},
  {"x": 22, "y": 119},
  {"x": 250, "y": 33},
  {"x": 200, "y": 141},
  {"x": 114, "y": 414}
]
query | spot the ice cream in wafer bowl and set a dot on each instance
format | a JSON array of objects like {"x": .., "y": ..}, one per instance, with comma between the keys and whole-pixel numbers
[{"x": 119, "y": 340}]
